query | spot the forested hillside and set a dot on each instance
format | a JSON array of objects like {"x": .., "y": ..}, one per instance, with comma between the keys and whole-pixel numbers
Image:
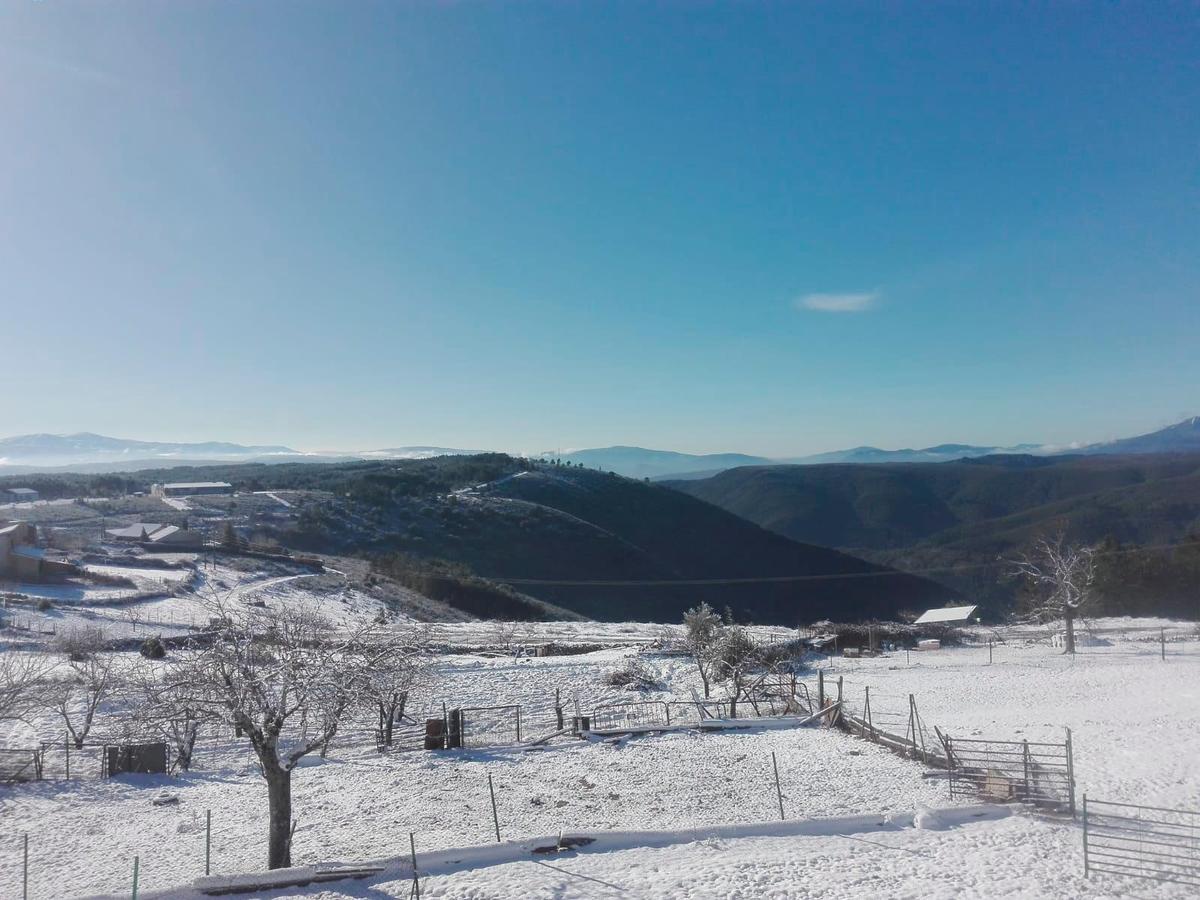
[{"x": 960, "y": 518}]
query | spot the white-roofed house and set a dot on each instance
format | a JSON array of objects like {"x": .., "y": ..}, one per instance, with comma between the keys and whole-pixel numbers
[{"x": 948, "y": 615}]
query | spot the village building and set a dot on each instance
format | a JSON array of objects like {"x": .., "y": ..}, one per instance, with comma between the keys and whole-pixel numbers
[
  {"x": 18, "y": 495},
  {"x": 157, "y": 536},
  {"x": 191, "y": 488},
  {"x": 22, "y": 559}
]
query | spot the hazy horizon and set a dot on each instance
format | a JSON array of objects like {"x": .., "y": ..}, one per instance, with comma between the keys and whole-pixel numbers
[{"x": 772, "y": 229}]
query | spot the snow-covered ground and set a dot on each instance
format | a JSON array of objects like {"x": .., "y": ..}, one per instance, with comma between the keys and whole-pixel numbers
[{"x": 1135, "y": 721}]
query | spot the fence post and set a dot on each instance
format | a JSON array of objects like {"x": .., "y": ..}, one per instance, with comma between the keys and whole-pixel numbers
[
  {"x": 207, "y": 839},
  {"x": 1162, "y": 637},
  {"x": 135, "y": 877},
  {"x": 518, "y": 723},
  {"x": 867, "y": 712},
  {"x": 820, "y": 688},
  {"x": 416, "y": 888},
  {"x": 778, "y": 789},
  {"x": 1085, "y": 846},
  {"x": 1071, "y": 779},
  {"x": 495, "y": 815},
  {"x": 558, "y": 712},
  {"x": 989, "y": 653},
  {"x": 667, "y": 707},
  {"x": 1025, "y": 759},
  {"x": 25, "y": 871}
]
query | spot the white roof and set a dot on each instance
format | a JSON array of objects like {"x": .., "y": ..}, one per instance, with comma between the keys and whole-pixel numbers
[
  {"x": 165, "y": 531},
  {"x": 948, "y": 614},
  {"x": 136, "y": 530},
  {"x": 21, "y": 490},
  {"x": 190, "y": 485}
]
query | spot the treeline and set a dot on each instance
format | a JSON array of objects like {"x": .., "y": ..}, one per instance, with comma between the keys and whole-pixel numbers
[
  {"x": 455, "y": 585},
  {"x": 1148, "y": 581},
  {"x": 374, "y": 482}
]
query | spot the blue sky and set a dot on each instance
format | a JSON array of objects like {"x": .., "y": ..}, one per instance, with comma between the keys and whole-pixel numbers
[{"x": 775, "y": 228}]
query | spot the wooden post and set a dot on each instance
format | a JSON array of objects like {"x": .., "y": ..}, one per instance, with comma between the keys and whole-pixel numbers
[
  {"x": 867, "y": 712},
  {"x": 135, "y": 877},
  {"x": 495, "y": 815},
  {"x": 445, "y": 727},
  {"x": 558, "y": 712},
  {"x": 518, "y": 723},
  {"x": 25, "y": 871},
  {"x": 416, "y": 888},
  {"x": 989, "y": 653},
  {"x": 820, "y": 688},
  {"x": 1162, "y": 636},
  {"x": 778, "y": 789},
  {"x": 207, "y": 840},
  {"x": 1025, "y": 759}
]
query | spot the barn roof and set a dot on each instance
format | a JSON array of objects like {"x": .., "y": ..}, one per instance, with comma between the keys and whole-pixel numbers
[{"x": 947, "y": 615}]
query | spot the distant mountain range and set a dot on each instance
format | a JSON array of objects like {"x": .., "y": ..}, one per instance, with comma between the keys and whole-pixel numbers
[
  {"x": 638, "y": 462},
  {"x": 86, "y": 452}
]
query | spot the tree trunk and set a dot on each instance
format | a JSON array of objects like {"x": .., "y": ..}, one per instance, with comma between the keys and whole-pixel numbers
[
  {"x": 1069, "y": 618},
  {"x": 279, "y": 798},
  {"x": 704, "y": 680}
]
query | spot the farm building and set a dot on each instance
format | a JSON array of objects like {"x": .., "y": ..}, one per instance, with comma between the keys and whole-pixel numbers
[
  {"x": 950, "y": 615},
  {"x": 23, "y": 559},
  {"x": 191, "y": 488},
  {"x": 18, "y": 495},
  {"x": 157, "y": 535}
]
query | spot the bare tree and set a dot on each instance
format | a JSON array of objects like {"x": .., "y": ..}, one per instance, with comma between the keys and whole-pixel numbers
[
  {"x": 392, "y": 676},
  {"x": 734, "y": 658},
  {"x": 286, "y": 680},
  {"x": 1061, "y": 575},
  {"x": 22, "y": 684},
  {"x": 88, "y": 678},
  {"x": 166, "y": 707},
  {"x": 702, "y": 629}
]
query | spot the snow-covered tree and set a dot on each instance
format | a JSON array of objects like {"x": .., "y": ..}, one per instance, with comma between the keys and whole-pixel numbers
[
  {"x": 702, "y": 627},
  {"x": 1061, "y": 576},
  {"x": 392, "y": 677},
  {"x": 286, "y": 680},
  {"x": 87, "y": 678},
  {"x": 735, "y": 657},
  {"x": 22, "y": 684}
]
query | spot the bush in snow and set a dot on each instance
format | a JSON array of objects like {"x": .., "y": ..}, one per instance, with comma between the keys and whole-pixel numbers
[
  {"x": 153, "y": 648},
  {"x": 633, "y": 675}
]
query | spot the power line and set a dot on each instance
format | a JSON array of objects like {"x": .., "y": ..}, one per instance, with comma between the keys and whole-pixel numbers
[{"x": 785, "y": 579}]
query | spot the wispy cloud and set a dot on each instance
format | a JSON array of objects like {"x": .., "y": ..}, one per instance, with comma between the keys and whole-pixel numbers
[{"x": 839, "y": 303}]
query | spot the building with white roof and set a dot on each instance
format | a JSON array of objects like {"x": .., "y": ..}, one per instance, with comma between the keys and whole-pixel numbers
[{"x": 191, "y": 488}]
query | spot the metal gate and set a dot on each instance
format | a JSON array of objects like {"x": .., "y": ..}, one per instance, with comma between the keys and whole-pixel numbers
[
  {"x": 1141, "y": 841},
  {"x": 20, "y": 765},
  {"x": 1039, "y": 773},
  {"x": 489, "y": 726},
  {"x": 635, "y": 714}
]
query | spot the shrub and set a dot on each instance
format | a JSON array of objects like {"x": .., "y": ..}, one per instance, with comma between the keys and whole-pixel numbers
[
  {"x": 153, "y": 648},
  {"x": 44, "y": 604},
  {"x": 633, "y": 675}
]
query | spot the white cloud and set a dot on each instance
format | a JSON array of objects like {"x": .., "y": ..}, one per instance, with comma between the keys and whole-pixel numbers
[{"x": 839, "y": 303}]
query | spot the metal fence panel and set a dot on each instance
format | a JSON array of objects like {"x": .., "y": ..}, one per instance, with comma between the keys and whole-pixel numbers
[
  {"x": 1022, "y": 771},
  {"x": 1151, "y": 842}
]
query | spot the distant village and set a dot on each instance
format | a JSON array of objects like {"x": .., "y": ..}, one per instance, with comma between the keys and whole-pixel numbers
[{"x": 28, "y": 554}]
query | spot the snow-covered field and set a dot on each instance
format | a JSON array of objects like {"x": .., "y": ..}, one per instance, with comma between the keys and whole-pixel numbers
[{"x": 1135, "y": 721}]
